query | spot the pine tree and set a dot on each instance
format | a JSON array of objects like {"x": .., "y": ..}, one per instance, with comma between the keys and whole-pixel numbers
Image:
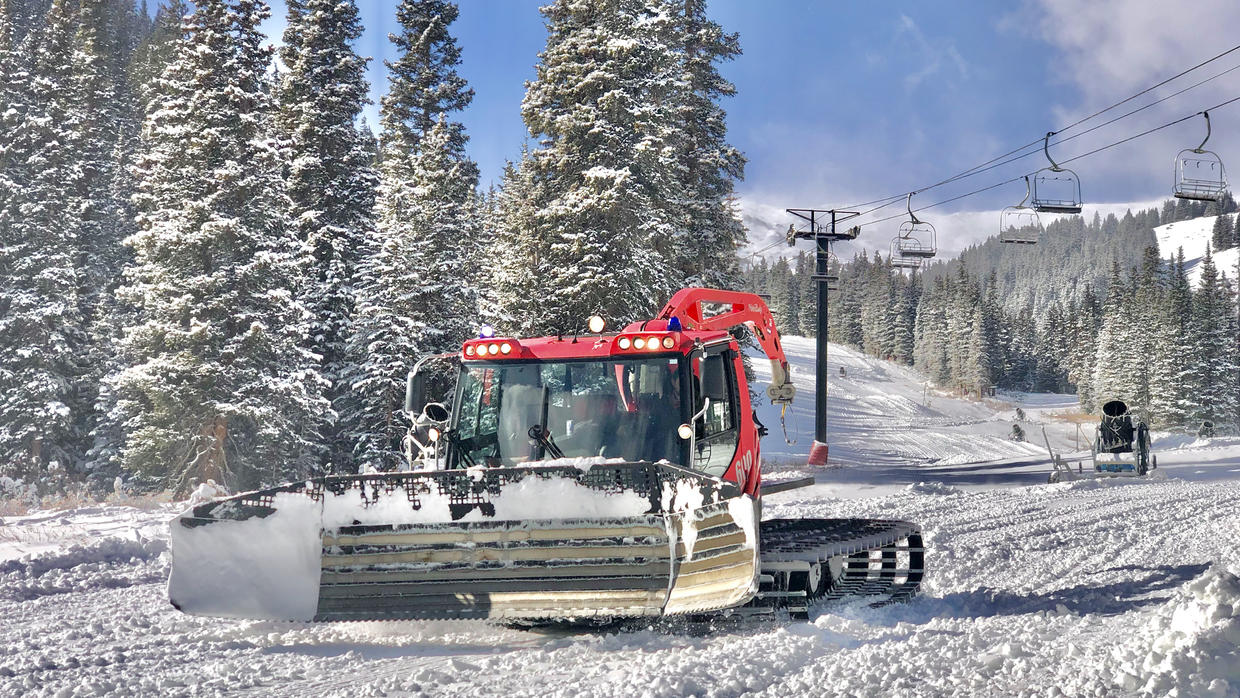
[
  {"x": 1172, "y": 381},
  {"x": 41, "y": 324},
  {"x": 415, "y": 294},
  {"x": 1113, "y": 374},
  {"x": 518, "y": 282},
  {"x": 1224, "y": 233},
  {"x": 599, "y": 113},
  {"x": 412, "y": 298},
  {"x": 330, "y": 182},
  {"x": 979, "y": 363},
  {"x": 710, "y": 231},
  {"x": 157, "y": 49},
  {"x": 780, "y": 282},
  {"x": 1214, "y": 357},
  {"x": 424, "y": 81},
  {"x": 220, "y": 385}
]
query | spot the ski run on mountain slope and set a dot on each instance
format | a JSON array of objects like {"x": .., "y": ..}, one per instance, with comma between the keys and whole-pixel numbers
[{"x": 1087, "y": 588}]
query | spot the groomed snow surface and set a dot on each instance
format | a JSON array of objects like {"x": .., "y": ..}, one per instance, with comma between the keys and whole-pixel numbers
[
  {"x": 1086, "y": 588},
  {"x": 1194, "y": 236}
]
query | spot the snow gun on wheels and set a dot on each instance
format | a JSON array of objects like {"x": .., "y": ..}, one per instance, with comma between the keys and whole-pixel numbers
[
  {"x": 1121, "y": 447},
  {"x": 574, "y": 478},
  {"x": 1122, "y": 443}
]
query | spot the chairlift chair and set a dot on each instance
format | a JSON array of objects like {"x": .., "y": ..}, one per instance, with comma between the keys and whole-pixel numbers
[
  {"x": 1019, "y": 224},
  {"x": 916, "y": 238},
  {"x": 1055, "y": 189},
  {"x": 1199, "y": 174},
  {"x": 898, "y": 259}
]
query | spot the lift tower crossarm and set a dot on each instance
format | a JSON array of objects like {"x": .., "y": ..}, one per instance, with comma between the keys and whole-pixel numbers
[{"x": 747, "y": 309}]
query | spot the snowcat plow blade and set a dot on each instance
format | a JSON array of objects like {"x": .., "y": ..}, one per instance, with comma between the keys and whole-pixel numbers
[{"x": 539, "y": 542}]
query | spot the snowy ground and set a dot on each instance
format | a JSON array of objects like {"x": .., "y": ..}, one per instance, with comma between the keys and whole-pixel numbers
[
  {"x": 1082, "y": 589},
  {"x": 1194, "y": 236}
]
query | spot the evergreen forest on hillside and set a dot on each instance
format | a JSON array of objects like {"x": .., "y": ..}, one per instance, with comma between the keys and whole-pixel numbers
[{"x": 1096, "y": 309}]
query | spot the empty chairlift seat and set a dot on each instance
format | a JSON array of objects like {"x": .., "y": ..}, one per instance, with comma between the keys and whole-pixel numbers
[
  {"x": 1055, "y": 189},
  {"x": 1199, "y": 174},
  {"x": 917, "y": 239}
]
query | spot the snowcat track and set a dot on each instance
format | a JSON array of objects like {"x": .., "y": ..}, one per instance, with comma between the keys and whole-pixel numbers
[{"x": 807, "y": 562}]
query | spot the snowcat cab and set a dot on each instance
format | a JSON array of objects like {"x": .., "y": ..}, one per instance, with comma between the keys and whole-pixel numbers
[{"x": 600, "y": 475}]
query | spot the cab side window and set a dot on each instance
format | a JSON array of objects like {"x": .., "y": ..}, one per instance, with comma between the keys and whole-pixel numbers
[{"x": 719, "y": 435}]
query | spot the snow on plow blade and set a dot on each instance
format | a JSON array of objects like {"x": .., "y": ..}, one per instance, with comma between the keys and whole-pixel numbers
[{"x": 611, "y": 539}]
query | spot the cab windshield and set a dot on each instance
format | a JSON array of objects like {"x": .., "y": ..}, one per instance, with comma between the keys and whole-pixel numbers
[{"x": 512, "y": 413}]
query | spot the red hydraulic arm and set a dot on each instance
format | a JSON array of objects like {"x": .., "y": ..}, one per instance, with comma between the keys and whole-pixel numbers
[{"x": 746, "y": 309}]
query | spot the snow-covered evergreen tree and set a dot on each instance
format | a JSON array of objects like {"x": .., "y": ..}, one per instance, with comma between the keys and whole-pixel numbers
[
  {"x": 1172, "y": 378},
  {"x": 330, "y": 183},
  {"x": 412, "y": 301},
  {"x": 710, "y": 232},
  {"x": 220, "y": 383},
  {"x": 42, "y": 333},
  {"x": 415, "y": 296},
  {"x": 1224, "y": 232},
  {"x": 157, "y": 49},
  {"x": 1214, "y": 352},
  {"x": 513, "y": 303},
  {"x": 1113, "y": 363},
  {"x": 598, "y": 112},
  {"x": 979, "y": 361},
  {"x": 424, "y": 81}
]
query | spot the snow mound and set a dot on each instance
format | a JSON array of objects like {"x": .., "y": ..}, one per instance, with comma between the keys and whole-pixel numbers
[
  {"x": 261, "y": 567},
  {"x": 106, "y": 564},
  {"x": 1192, "y": 645},
  {"x": 934, "y": 488},
  {"x": 206, "y": 492}
]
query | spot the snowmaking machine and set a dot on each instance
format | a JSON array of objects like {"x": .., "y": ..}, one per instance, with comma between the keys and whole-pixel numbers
[
  {"x": 574, "y": 477},
  {"x": 1122, "y": 442},
  {"x": 1121, "y": 447}
]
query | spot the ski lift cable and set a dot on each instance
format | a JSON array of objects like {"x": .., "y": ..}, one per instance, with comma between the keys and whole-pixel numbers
[
  {"x": 889, "y": 200},
  {"x": 1091, "y": 129},
  {"x": 1062, "y": 162}
]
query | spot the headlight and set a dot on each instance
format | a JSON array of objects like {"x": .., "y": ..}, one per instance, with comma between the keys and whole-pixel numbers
[
  {"x": 469, "y": 350},
  {"x": 668, "y": 342},
  {"x": 482, "y": 350},
  {"x": 505, "y": 348},
  {"x": 652, "y": 343},
  {"x": 639, "y": 343},
  {"x": 493, "y": 349},
  {"x": 624, "y": 342}
]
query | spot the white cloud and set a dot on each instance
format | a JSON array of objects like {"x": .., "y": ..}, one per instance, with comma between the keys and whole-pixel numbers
[
  {"x": 1106, "y": 50},
  {"x": 956, "y": 232}
]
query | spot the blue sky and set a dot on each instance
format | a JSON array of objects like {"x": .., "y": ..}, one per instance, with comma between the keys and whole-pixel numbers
[{"x": 844, "y": 102}]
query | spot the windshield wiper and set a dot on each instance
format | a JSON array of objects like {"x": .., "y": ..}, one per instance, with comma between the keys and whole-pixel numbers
[
  {"x": 454, "y": 441},
  {"x": 542, "y": 435}
]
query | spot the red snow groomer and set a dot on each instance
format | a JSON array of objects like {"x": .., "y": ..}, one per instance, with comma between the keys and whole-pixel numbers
[{"x": 585, "y": 476}]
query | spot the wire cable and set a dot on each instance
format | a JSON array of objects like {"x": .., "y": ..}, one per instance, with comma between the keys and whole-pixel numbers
[
  {"x": 1062, "y": 162},
  {"x": 889, "y": 200}
]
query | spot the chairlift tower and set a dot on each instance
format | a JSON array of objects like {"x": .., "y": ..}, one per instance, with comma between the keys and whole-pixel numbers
[{"x": 820, "y": 225}]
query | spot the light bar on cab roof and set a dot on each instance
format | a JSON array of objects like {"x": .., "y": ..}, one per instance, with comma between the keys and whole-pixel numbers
[
  {"x": 490, "y": 349},
  {"x": 645, "y": 342}
]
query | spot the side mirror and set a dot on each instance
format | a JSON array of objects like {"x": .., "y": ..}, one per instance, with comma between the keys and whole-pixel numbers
[
  {"x": 434, "y": 413},
  {"x": 414, "y": 390}
]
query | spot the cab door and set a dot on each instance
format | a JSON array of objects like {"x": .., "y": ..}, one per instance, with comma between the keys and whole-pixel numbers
[{"x": 718, "y": 431}]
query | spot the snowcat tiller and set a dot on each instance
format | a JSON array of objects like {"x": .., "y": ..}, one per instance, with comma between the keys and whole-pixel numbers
[{"x": 597, "y": 475}]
